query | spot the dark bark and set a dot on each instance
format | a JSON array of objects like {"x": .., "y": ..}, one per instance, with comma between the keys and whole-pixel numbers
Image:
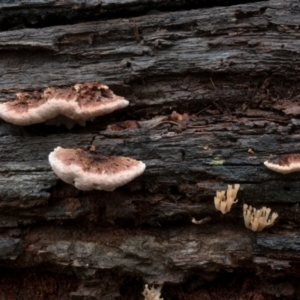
[
  {"x": 234, "y": 70},
  {"x": 39, "y": 13}
]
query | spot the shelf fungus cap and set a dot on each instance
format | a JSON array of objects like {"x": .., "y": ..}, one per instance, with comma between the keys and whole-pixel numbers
[
  {"x": 79, "y": 103},
  {"x": 90, "y": 171},
  {"x": 224, "y": 202},
  {"x": 258, "y": 219},
  {"x": 285, "y": 164}
]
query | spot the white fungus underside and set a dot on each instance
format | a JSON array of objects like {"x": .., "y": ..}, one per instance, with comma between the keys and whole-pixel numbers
[
  {"x": 59, "y": 106},
  {"x": 73, "y": 174},
  {"x": 293, "y": 167}
]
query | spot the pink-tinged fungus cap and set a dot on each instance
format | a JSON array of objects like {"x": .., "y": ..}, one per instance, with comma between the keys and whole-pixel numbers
[
  {"x": 285, "y": 164},
  {"x": 93, "y": 172},
  {"x": 80, "y": 103}
]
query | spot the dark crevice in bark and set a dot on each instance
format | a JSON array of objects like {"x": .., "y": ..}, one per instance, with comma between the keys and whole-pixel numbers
[{"x": 40, "y": 15}]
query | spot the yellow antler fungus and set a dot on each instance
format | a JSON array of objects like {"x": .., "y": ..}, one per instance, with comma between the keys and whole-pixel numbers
[
  {"x": 258, "y": 219},
  {"x": 152, "y": 293},
  {"x": 224, "y": 202}
]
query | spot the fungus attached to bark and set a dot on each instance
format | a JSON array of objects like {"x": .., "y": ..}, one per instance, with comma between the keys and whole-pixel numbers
[
  {"x": 224, "y": 202},
  {"x": 202, "y": 221},
  {"x": 76, "y": 104},
  {"x": 258, "y": 219},
  {"x": 285, "y": 164},
  {"x": 90, "y": 171},
  {"x": 152, "y": 293}
]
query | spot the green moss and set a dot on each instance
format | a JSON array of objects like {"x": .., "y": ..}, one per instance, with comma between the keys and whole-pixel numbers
[{"x": 217, "y": 161}]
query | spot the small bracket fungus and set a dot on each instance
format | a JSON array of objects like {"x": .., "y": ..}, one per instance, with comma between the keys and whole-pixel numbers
[
  {"x": 202, "y": 221},
  {"x": 284, "y": 164},
  {"x": 152, "y": 293},
  {"x": 224, "y": 202},
  {"x": 76, "y": 104},
  {"x": 90, "y": 171},
  {"x": 258, "y": 219}
]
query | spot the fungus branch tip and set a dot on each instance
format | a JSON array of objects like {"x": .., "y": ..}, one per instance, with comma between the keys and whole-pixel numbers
[{"x": 225, "y": 199}]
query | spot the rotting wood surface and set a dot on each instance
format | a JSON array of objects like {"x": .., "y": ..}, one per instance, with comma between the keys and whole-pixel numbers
[{"x": 234, "y": 70}]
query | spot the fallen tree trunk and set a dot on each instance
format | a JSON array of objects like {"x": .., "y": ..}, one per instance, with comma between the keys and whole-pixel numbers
[{"x": 234, "y": 71}]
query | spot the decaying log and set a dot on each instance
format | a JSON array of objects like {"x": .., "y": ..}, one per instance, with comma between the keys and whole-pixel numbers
[{"x": 233, "y": 70}]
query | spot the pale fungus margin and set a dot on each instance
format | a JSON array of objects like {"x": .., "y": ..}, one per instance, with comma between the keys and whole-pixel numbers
[
  {"x": 94, "y": 172},
  {"x": 152, "y": 293},
  {"x": 258, "y": 219},
  {"x": 284, "y": 164},
  {"x": 68, "y": 106},
  {"x": 225, "y": 199},
  {"x": 202, "y": 221}
]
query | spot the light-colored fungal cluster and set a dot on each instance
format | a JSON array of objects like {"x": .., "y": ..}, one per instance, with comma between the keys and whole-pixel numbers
[
  {"x": 254, "y": 219},
  {"x": 284, "y": 164},
  {"x": 69, "y": 106},
  {"x": 152, "y": 293},
  {"x": 225, "y": 199},
  {"x": 76, "y": 104},
  {"x": 90, "y": 171},
  {"x": 258, "y": 219}
]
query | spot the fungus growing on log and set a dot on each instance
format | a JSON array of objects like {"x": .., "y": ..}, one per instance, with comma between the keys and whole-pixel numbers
[
  {"x": 284, "y": 164},
  {"x": 76, "y": 104},
  {"x": 224, "y": 202},
  {"x": 202, "y": 221},
  {"x": 258, "y": 219},
  {"x": 90, "y": 171},
  {"x": 152, "y": 293}
]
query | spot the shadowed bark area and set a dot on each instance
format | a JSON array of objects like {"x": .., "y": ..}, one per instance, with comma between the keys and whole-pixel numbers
[
  {"x": 234, "y": 70},
  {"x": 39, "y": 13}
]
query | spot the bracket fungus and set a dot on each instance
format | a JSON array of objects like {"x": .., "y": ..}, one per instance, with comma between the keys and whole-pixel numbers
[
  {"x": 258, "y": 219},
  {"x": 75, "y": 104},
  {"x": 90, "y": 171},
  {"x": 224, "y": 202},
  {"x": 284, "y": 164},
  {"x": 202, "y": 221},
  {"x": 152, "y": 293}
]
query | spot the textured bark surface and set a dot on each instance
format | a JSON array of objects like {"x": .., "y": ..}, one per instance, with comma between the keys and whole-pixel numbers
[{"x": 234, "y": 70}]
